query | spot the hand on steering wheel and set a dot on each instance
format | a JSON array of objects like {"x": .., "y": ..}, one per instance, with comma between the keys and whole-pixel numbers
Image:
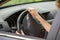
[
  {"x": 33, "y": 12},
  {"x": 22, "y": 33}
]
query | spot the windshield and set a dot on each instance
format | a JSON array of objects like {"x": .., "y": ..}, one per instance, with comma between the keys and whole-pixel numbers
[{"x": 14, "y": 2}]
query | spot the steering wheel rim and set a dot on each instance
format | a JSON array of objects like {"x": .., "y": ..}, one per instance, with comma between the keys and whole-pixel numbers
[{"x": 20, "y": 19}]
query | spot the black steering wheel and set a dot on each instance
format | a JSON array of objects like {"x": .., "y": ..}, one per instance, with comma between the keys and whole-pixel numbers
[
  {"x": 20, "y": 19},
  {"x": 20, "y": 23}
]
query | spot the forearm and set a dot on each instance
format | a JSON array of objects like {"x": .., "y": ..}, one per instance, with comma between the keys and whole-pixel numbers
[{"x": 44, "y": 23}]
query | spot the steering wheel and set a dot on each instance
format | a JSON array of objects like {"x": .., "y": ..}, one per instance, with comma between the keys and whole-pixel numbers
[{"x": 20, "y": 21}]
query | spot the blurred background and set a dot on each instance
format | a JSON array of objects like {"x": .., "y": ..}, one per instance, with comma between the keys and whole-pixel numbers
[{"x": 13, "y": 2}]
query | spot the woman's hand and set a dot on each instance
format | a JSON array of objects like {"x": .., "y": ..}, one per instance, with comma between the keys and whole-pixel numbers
[
  {"x": 22, "y": 33},
  {"x": 33, "y": 11}
]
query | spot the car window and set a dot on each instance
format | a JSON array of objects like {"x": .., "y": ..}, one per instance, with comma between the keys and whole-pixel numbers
[{"x": 14, "y": 2}]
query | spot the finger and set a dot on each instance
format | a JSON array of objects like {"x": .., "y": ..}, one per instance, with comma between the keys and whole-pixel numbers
[
  {"x": 22, "y": 32},
  {"x": 30, "y": 8},
  {"x": 18, "y": 33}
]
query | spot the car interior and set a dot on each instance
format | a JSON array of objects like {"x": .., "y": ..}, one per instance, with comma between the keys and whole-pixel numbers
[{"x": 19, "y": 18}]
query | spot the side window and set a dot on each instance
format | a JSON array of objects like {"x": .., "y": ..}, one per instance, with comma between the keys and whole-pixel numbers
[{"x": 3, "y": 1}]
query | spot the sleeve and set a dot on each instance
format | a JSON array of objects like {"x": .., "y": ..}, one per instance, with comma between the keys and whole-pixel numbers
[{"x": 55, "y": 27}]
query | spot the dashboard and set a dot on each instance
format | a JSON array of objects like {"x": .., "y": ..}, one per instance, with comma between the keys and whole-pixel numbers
[{"x": 12, "y": 20}]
